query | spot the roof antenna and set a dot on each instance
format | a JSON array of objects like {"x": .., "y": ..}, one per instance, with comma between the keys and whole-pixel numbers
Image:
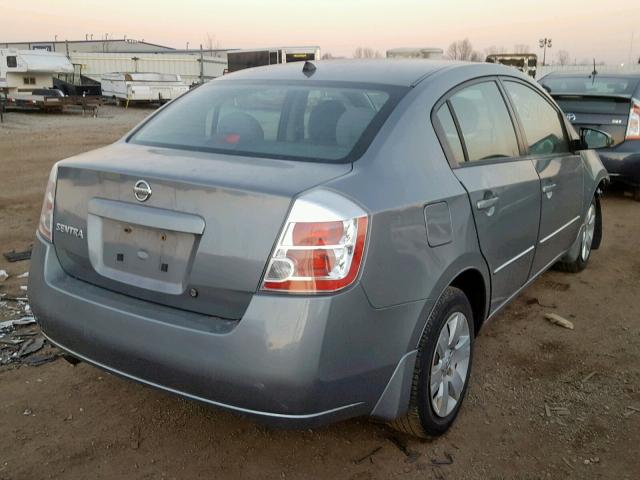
[{"x": 308, "y": 68}]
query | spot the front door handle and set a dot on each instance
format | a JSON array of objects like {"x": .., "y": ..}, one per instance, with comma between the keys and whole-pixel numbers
[
  {"x": 548, "y": 189},
  {"x": 487, "y": 203}
]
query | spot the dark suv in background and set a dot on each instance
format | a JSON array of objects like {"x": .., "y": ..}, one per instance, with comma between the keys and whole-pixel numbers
[{"x": 609, "y": 103}]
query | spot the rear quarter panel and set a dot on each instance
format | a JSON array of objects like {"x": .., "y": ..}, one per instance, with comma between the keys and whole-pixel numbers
[{"x": 403, "y": 171}]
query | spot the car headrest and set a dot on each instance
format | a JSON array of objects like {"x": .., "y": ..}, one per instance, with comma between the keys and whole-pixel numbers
[
  {"x": 323, "y": 121},
  {"x": 239, "y": 128},
  {"x": 352, "y": 124}
]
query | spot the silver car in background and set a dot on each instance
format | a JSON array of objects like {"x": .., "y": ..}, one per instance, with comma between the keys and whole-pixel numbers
[{"x": 309, "y": 243}]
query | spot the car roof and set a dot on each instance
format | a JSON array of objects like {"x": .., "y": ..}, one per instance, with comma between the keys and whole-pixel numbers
[{"x": 399, "y": 72}]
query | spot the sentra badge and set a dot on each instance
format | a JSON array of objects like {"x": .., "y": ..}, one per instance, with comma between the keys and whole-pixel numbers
[{"x": 69, "y": 230}]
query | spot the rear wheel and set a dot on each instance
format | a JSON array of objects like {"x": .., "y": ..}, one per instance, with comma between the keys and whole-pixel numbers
[
  {"x": 443, "y": 365},
  {"x": 587, "y": 235}
]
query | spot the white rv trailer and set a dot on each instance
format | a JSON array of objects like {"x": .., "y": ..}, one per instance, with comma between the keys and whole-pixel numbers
[
  {"x": 26, "y": 77},
  {"x": 145, "y": 87},
  {"x": 426, "y": 53},
  {"x": 257, "y": 57}
]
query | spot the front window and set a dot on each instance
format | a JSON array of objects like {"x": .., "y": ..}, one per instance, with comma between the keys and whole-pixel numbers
[
  {"x": 540, "y": 121},
  {"x": 315, "y": 121}
]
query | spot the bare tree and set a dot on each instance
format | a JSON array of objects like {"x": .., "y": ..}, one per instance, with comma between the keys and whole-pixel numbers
[
  {"x": 521, "y": 48},
  {"x": 463, "y": 50},
  {"x": 366, "y": 52},
  {"x": 563, "y": 57},
  {"x": 211, "y": 43},
  {"x": 494, "y": 50}
]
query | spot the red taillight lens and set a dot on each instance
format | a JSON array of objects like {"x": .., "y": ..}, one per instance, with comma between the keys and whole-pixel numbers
[
  {"x": 317, "y": 257},
  {"x": 633, "y": 127},
  {"x": 45, "y": 226},
  {"x": 317, "y": 234},
  {"x": 318, "y": 263}
]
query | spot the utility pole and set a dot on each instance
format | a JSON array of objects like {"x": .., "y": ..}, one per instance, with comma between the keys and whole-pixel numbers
[
  {"x": 201, "y": 65},
  {"x": 544, "y": 43}
]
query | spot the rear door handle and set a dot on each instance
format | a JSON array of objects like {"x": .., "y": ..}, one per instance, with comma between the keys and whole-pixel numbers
[
  {"x": 549, "y": 187},
  {"x": 487, "y": 203}
]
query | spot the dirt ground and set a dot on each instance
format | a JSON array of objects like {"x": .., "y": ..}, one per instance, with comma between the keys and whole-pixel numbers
[{"x": 544, "y": 402}]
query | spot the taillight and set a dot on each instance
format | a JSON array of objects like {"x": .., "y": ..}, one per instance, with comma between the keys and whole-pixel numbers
[
  {"x": 633, "y": 127},
  {"x": 321, "y": 247},
  {"x": 45, "y": 227}
]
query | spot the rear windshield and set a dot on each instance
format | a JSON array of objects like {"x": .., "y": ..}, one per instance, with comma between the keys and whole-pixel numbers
[
  {"x": 587, "y": 85},
  {"x": 314, "y": 121}
]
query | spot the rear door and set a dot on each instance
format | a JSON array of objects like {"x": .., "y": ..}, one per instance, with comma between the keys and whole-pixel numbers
[
  {"x": 503, "y": 188},
  {"x": 561, "y": 171}
]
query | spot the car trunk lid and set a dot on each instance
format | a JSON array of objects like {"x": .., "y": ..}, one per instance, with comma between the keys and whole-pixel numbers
[
  {"x": 609, "y": 113},
  {"x": 201, "y": 239}
]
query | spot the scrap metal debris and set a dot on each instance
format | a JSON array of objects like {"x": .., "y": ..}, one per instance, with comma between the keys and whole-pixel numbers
[
  {"x": 37, "y": 360},
  {"x": 588, "y": 377},
  {"x": 368, "y": 456},
  {"x": 14, "y": 256},
  {"x": 448, "y": 460},
  {"x": 3, "y": 275},
  {"x": 631, "y": 410},
  {"x": 30, "y": 346},
  {"x": 558, "y": 320},
  {"x": 557, "y": 409},
  {"x": 19, "y": 341},
  {"x": 402, "y": 446},
  {"x": 20, "y": 322}
]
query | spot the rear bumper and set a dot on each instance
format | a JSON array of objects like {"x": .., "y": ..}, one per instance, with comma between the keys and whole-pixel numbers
[
  {"x": 623, "y": 162},
  {"x": 290, "y": 361}
]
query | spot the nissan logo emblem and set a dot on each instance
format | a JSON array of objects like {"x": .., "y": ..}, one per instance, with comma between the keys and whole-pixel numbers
[{"x": 142, "y": 191}]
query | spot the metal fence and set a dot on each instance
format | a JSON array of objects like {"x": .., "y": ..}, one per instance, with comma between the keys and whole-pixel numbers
[
  {"x": 630, "y": 68},
  {"x": 188, "y": 66}
]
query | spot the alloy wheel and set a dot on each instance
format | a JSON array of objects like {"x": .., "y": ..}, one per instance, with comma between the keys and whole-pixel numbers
[
  {"x": 450, "y": 364},
  {"x": 588, "y": 233}
]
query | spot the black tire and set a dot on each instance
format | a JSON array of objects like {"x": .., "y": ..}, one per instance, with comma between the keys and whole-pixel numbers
[
  {"x": 421, "y": 419},
  {"x": 581, "y": 261}
]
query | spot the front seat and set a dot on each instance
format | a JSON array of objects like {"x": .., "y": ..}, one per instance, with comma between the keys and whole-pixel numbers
[
  {"x": 323, "y": 122},
  {"x": 239, "y": 128}
]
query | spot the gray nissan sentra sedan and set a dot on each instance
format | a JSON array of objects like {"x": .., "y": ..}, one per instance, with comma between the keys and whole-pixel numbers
[{"x": 309, "y": 242}]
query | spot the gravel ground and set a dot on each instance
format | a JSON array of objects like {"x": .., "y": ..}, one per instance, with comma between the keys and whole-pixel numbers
[{"x": 544, "y": 402}]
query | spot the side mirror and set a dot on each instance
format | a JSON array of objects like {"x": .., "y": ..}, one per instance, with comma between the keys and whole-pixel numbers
[{"x": 592, "y": 138}]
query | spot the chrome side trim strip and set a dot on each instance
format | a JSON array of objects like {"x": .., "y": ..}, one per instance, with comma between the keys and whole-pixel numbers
[
  {"x": 517, "y": 257},
  {"x": 559, "y": 230},
  {"x": 195, "y": 397},
  {"x": 527, "y": 283}
]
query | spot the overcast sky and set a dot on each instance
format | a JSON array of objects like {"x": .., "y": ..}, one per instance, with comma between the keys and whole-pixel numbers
[{"x": 585, "y": 28}]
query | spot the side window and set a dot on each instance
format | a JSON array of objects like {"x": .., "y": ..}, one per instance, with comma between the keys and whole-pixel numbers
[
  {"x": 450, "y": 132},
  {"x": 540, "y": 121},
  {"x": 12, "y": 61},
  {"x": 485, "y": 123}
]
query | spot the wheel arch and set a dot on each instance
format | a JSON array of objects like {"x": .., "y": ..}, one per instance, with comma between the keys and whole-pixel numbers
[
  {"x": 472, "y": 284},
  {"x": 470, "y": 274}
]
